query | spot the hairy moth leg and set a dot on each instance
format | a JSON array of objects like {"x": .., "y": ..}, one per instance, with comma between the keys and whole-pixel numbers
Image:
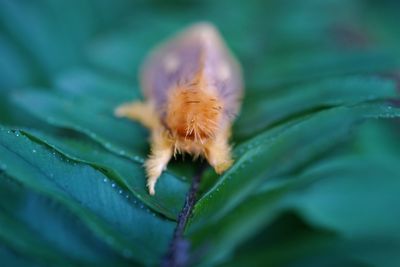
[
  {"x": 142, "y": 112},
  {"x": 161, "y": 153},
  {"x": 218, "y": 152}
]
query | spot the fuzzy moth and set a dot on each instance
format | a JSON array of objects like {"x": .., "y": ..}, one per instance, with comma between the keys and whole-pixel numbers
[{"x": 193, "y": 88}]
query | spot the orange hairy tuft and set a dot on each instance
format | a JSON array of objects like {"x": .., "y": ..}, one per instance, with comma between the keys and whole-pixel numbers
[{"x": 193, "y": 113}]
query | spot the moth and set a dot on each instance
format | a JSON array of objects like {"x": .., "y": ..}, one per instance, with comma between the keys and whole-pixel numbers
[{"x": 193, "y": 88}]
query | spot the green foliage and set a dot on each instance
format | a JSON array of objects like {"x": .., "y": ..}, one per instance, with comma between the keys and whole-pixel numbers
[{"x": 315, "y": 181}]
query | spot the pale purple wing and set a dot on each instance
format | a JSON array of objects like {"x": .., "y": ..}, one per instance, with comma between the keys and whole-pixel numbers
[
  {"x": 172, "y": 63},
  {"x": 224, "y": 72}
]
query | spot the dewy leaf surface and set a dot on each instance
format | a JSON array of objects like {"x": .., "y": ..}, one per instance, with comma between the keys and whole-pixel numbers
[
  {"x": 280, "y": 154},
  {"x": 113, "y": 214},
  {"x": 338, "y": 195},
  {"x": 170, "y": 189},
  {"x": 261, "y": 110}
]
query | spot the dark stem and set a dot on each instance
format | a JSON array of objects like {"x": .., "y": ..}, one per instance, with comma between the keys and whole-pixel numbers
[{"x": 178, "y": 252}]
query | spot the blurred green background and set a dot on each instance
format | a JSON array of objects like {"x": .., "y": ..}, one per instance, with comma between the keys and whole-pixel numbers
[{"x": 316, "y": 180}]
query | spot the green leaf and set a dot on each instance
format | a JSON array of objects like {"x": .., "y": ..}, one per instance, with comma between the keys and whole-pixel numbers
[
  {"x": 218, "y": 238},
  {"x": 14, "y": 71},
  {"x": 280, "y": 153},
  {"x": 10, "y": 258},
  {"x": 305, "y": 67},
  {"x": 51, "y": 35},
  {"x": 352, "y": 199},
  {"x": 260, "y": 111},
  {"x": 82, "y": 82},
  {"x": 130, "y": 175},
  {"x": 339, "y": 195},
  {"x": 50, "y": 230},
  {"x": 290, "y": 242},
  {"x": 386, "y": 136},
  {"x": 114, "y": 215},
  {"x": 88, "y": 116}
]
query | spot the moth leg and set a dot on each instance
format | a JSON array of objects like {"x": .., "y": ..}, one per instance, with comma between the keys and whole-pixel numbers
[
  {"x": 161, "y": 153},
  {"x": 218, "y": 152},
  {"x": 142, "y": 112}
]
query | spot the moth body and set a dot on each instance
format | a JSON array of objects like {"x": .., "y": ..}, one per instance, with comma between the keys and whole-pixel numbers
[{"x": 193, "y": 87}]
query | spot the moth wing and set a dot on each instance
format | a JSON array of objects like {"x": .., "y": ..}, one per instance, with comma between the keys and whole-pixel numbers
[
  {"x": 172, "y": 63},
  {"x": 222, "y": 70}
]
